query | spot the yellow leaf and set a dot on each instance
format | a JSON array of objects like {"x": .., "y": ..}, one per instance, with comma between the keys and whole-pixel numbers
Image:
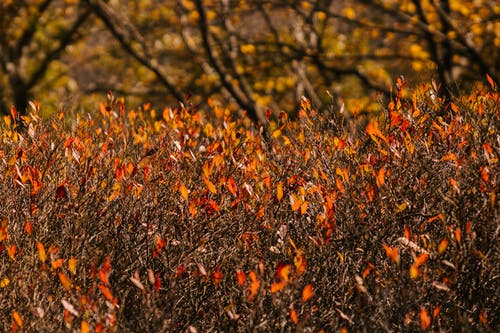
[
  {"x": 307, "y": 292},
  {"x": 414, "y": 272},
  {"x": 184, "y": 191},
  {"x": 72, "y": 265},
  {"x": 279, "y": 191},
  {"x": 210, "y": 185},
  {"x": 4, "y": 283}
]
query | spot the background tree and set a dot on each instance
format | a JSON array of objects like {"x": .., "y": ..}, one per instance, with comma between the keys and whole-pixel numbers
[
  {"x": 254, "y": 55},
  {"x": 34, "y": 35}
]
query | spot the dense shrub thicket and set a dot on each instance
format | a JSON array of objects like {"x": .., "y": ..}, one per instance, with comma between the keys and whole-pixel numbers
[{"x": 198, "y": 221}]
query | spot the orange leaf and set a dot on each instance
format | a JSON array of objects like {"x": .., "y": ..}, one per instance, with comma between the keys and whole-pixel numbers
[
  {"x": 106, "y": 292},
  {"x": 293, "y": 316},
  {"x": 217, "y": 276},
  {"x": 41, "y": 252},
  {"x": 279, "y": 191},
  {"x": 407, "y": 233},
  {"x": 295, "y": 202},
  {"x": 458, "y": 235},
  {"x": 421, "y": 259},
  {"x": 381, "y": 177},
  {"x": 184, "y": 191},
  {"x": 442, "y": 245},
  {"x": 436, "y": 217},
  {"x": 392, "y": 253},
  {"x": 210, "y": 185},
  {"x": 72, "y": 265},
  {"x": 340, "y": 186},
  {"x": 278, "y": 286},
  {"x": 11, "y": 251},
  {"x": 84, "y": 327},
  {"x": 425, "y": 319},
  {"x": 28, "y": 227},
  {"x": 17, "y": 318},
  {"x": 490, "y": 81},
  {"x": 57, "y": 263},
  {"x": 254, "y": 285},
  {"x": 65, "y": 281},
  {"x": 231, "y": 186},
  {"x": 303, "y": 207},
  {"x": 241, "y": 277},
  {"x": 283, "y": 271},
  {"x": 307, "y": 292}
]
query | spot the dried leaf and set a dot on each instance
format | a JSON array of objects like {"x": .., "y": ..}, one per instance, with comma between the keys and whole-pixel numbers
[{"x": 68, "y": 306}]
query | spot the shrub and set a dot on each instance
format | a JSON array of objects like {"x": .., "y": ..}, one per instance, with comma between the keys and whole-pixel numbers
[{"x": 197, "y": 221}]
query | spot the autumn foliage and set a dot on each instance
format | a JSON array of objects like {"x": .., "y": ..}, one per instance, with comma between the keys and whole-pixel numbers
[{"x": 195, "y": 220}]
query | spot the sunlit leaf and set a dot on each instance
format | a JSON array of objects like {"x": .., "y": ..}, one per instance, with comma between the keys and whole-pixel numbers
[
  {"x": 254, "y": 285},
  {"x": 72, "y": 265},
  {"x": 4, "y": 282},
  {"x": 65, "y": 281},
  {"x": 293, "y": 316},
  {"x": 307, "y": 292},
  {"x": 17, "y": 318},
  {"x": 380, "y": 177},
  {"x": 241, "y": 277},
  {"x": 106, "y": 292},
  {"x": 421, "y": 259},
  {"x": 184, "y": 191},
  {"x": 84, "y": 327},
  {"x": 57, "y": 263},
  {"x": 414, "y": 272},
  {"x": 210, "y": 185},
  {"x": 279, "y": 191},
  {"x": 41, "y": 252},
  {"x": 11, "y": 251},
  {"x": 28, "y": 228},
  {"x": 442, "y": 245},
  {"x": 490, "y": 81},
  {"x": 231, "y": 186},
  {"x": 425, "y": 319},
  {"x": 278, "y": 286},
  {"x": 392, "y": 253},
  {"x": 217, "y": 276}
]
